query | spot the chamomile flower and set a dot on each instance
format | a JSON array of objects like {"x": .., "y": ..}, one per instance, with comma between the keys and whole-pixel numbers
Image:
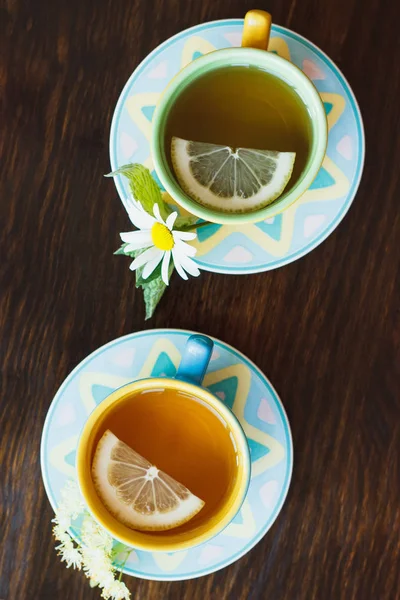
[{"x": 160, "y": 243}]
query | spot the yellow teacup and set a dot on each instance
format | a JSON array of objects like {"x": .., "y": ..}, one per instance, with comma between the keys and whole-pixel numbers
[{"x": 188, "y": 380}]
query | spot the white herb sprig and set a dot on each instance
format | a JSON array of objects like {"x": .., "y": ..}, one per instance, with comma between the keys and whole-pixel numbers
[{"x": 97, "y": 554}]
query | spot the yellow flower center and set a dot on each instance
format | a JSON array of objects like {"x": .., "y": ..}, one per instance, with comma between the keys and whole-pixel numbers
[{"x": 162, "y": 237}]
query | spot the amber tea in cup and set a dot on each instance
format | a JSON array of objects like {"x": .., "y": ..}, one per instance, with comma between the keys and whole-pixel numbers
[{"x": 182, "y": 436}]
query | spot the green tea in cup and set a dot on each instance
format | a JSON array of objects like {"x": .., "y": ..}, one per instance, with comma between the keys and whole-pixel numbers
[{"x": 240, "y": 107}]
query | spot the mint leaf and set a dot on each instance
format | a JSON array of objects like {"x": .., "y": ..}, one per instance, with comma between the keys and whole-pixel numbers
[
  {"x": 140, "y": 282},
  {"x": 121, "y": 250},
  {"x": 185, "y": 222},
  {"x": 133, "y": 254},
  {"x": 143, "y": 187},
  {"x": 153, "y": 287},
  {"x": 124, "y": 170},
  {"x": 139, "y": 271},
  {"x": 152, "y": 294},
  {"x": 119, "y": 548},
  {"x": 156, "y": 274}
]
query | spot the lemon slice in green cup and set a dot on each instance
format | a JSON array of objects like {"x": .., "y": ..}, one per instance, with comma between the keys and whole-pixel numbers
[{"x": 230, "y": 180}]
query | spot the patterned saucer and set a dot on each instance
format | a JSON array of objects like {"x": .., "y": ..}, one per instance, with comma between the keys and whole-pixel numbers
[
  {"x": 234, "y": 379},
  {"x": 286, "y": 237}
]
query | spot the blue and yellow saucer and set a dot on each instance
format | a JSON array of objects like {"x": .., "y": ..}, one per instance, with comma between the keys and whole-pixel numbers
[
  {"x": 286, "y": 237},
  {"x": 230, "y": 376}
]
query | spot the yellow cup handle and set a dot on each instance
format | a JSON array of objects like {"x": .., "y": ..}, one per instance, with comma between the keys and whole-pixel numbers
[{"x": 257, "y": 27}]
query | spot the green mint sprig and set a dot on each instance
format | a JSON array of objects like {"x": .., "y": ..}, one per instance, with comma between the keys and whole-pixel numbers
[
  {"x": 143, "y": 187},
  {"x": 153, "y": 287},
  {"x": 146, "y": 191}
]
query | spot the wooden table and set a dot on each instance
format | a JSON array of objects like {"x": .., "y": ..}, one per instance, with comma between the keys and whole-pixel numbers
[{"x": 324, "y": 328}]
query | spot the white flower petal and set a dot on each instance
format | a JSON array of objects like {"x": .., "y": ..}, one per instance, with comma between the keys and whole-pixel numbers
[
  {"x": 133, "y": 247},
  {"x": 134, "y": 237},
  {"x": 94, "y": 536},
  {"x": 157, "y": 214},
  {"x": 185, "y": 235},
  {"x": 63, "y": 518},
  {"x": 152, "y": 264},
  {"x": 164, "y": 267},
  {"x": 140, "y": 218},
  {"x": 171, "y": 220},
  {"x": 143, "y": 258},
  {"x": 189, "y": 265},
  {"x": 177, "y": 264},
  {"x": 184, "y": 248},
  {"x": 72, "y": 557}
]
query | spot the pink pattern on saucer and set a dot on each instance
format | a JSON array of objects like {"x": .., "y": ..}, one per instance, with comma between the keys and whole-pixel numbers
[
  {"x": 345, "y": 147},
  {"x": 265, "y": 412},
  {"x": 312, "y": 70},
  {"x": 268, "y": 493},
  {"x": 209, "y": 553}
]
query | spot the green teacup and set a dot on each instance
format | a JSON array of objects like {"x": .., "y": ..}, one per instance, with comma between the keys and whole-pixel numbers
[{"x": 252, "y": 53}]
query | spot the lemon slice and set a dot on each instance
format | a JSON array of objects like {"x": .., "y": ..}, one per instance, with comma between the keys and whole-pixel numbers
[
  {"x": 230, "y": 180},
  {"x": 136, "y": 492}
]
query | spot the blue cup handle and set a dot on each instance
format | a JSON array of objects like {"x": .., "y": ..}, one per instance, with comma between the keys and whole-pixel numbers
[{"x": 195, "y": 359}]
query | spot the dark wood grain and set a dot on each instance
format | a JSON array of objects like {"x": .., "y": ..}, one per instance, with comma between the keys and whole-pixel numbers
[{"x": 325, "y": 328}]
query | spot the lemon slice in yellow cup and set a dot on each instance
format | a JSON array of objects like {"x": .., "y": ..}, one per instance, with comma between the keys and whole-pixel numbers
[{"x": 137, "y": 493}]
